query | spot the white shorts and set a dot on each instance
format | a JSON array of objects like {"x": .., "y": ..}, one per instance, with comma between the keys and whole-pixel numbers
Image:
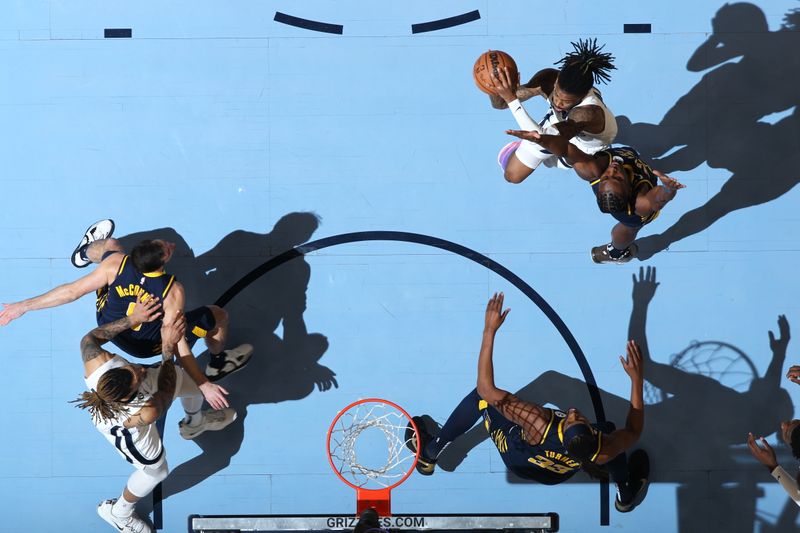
[{"x": 142, "y": 446}]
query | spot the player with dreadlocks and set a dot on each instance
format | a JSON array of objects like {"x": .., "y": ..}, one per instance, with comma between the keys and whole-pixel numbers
[
  {"x": 542, "y": 444},
  {"x": 125, "y": 400},
  {"x": 577, "y": 111}
]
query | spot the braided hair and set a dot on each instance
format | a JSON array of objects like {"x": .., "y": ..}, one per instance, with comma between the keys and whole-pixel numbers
[
  {"x": 106, "y": 403},
  {"x": 582, "y": 448},
  {"x": 583, "y": 67},
  {"x": 611, "y": 202}
]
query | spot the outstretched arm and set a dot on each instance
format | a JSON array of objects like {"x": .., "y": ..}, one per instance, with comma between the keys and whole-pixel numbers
[
  {"x": 68, "y": 292},
  {"x": 765, "y": 455},
  {"x": 622, "y": 439},
  {"x": 657, "y": 197},
  {"x": 530, "y": 416}
]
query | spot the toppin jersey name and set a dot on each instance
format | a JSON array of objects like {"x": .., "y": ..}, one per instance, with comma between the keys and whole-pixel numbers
[{"x": 118, "y": 300}]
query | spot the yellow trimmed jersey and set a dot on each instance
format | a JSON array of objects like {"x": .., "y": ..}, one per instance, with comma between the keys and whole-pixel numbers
[
  {"x": 548, "y": 461},
  {"x": 118, "y": 299}
]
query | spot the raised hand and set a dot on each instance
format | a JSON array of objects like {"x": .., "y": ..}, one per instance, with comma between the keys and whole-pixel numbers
[
  {"x": 764, "y": 453},
  {"x": 644, "y": 287},
  {"x": 495, "y": 316},
  {"x": 780, "y": 344},
  {"x": 504, "y": 85},
  {"x": 632, "y": 363}
]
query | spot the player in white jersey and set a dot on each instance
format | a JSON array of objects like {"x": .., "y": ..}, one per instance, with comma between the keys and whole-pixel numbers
[
  {"x": 576, "y": 112},
  {"x": 125, "y": 400}
]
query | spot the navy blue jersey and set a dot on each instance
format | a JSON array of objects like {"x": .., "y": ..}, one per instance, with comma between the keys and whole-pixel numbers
[
  {"x": 118, "y": 299},
  {"x": 640, "y": 178},
  {"x": 548, "y": 461}
]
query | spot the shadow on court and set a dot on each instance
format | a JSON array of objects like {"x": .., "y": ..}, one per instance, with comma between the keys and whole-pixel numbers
[
  {"x": 700, "y": 409},
  {"x": 282, "y": 367},
  {"x": 741, "y": 116}
]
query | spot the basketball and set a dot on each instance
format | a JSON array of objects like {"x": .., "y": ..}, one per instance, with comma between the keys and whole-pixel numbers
[{"x": 488, "y": 63}]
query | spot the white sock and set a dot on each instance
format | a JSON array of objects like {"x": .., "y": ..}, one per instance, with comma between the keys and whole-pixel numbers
[{"x": 122, "y": 507}]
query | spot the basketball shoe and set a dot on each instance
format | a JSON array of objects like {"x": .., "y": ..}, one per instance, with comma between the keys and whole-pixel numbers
[
  {"x": 102, "y": 229},
  {"x": 425, "y": 465},
  {"x": 213, "y": 420},
  {"x": 234, "y": 360},
  {"x": 124, "y": 524},
  {"x": 602, "y": 254}
]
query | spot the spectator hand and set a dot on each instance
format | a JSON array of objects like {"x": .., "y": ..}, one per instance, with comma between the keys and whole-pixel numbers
[
  {"x": 794, "y": 374},
  {"x": 214, "y": 395},
  {"x": 765, "y": 455},
  {"x": 495, "y": 316}
]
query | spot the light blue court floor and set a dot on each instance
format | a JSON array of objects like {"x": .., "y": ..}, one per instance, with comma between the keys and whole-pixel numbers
[{"x": 238, "y": 137}]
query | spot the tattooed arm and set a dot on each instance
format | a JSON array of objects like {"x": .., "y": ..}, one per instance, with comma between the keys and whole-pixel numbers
[
  {"x": 531, "y": 417},
  {"x": 91, "y": 352}
]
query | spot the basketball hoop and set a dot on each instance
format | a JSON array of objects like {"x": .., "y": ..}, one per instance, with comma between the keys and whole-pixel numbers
[{"x": 383, "y": 459}]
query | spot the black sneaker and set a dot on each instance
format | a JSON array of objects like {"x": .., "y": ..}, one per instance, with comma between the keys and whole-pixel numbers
[
  {"x": 102, "y": 229},
  {"x": 235, "y": 359},
  {"x": 638, "y": 482},
  {"x": 425, "y": 465},
  {"x": 600, "y": 254}
]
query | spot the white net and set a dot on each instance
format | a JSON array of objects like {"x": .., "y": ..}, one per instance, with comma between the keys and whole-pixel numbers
[{"x": 370, "y": 445}]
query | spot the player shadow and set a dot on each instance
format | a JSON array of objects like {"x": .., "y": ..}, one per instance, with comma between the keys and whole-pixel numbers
[
  {"x": 741, "y": 116},
  {"x": 284, "y": 366},
  {"x": 694, "y": 433}
]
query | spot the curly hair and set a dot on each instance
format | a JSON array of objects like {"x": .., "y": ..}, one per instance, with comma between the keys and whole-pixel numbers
[
  {"x": 584, "y": 66},
  {"x": 106, "y": 403}
]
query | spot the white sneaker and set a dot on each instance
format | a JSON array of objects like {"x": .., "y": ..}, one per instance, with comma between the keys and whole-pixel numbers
[
  {"x": 235, "y": 359},
  {"x": 102, "y": 229},
  {"x": 127, "y": 524},
  {"x": 213, "y": 420}
]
